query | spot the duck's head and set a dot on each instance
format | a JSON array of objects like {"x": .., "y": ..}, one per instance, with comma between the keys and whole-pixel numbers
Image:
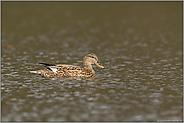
[{"x": 91, "y": 58}]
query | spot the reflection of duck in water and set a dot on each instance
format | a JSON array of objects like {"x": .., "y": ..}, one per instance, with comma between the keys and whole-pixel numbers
[{"x": 63, "y": 70}]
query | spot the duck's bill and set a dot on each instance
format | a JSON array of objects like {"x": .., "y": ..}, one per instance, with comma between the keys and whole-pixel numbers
[{"x": 99, "y": 65}]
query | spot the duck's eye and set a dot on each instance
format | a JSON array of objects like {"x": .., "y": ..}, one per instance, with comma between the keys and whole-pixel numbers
[{"x": 92, "y": 57}]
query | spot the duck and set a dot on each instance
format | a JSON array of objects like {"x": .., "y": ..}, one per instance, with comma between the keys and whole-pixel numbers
[{"x": 64, "y": 70}]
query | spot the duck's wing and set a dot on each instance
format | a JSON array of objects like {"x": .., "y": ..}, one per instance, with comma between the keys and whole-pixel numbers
[
  {"x": 47, "y": 64},
  {"x": 62, "y": 67}
]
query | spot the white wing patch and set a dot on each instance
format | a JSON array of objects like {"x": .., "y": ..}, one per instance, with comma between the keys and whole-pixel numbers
[{"x": 53, "y": 69}]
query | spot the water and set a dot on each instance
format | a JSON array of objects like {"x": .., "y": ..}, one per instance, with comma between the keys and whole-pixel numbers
[{"x": 138, "y": 43}]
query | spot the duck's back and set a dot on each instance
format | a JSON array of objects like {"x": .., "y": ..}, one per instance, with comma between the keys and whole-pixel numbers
[{"x": 68, "y": 67}]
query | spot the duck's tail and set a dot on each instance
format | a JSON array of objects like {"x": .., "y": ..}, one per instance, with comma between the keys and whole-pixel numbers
[
  {"x": 40, "y": 71},
  {"x": 37, "y": 72}
]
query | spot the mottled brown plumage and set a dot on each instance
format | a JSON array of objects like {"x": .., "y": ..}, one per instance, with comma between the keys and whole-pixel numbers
[{"x": 63, "y": 70}]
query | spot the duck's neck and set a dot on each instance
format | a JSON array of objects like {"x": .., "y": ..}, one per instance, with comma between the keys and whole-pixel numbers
[{"x": 88, "y": 67}]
